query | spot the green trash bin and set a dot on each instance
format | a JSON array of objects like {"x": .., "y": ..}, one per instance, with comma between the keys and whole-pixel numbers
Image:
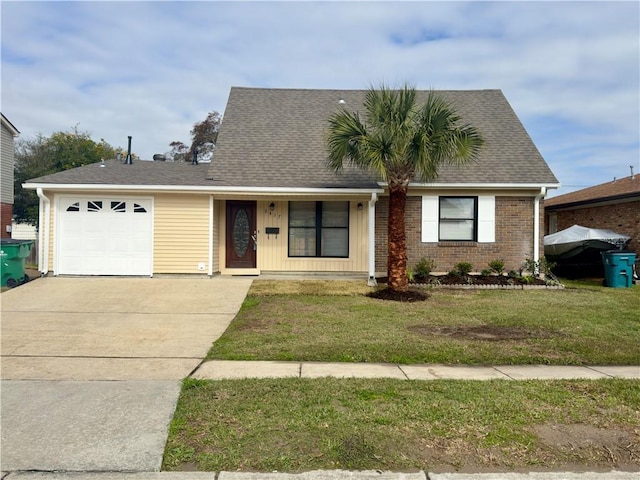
[
  {"x": 12, "y": 257},
  {"x": 618, "y": 268}
]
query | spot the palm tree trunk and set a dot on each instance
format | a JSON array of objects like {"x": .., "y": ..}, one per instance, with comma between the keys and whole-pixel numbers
[{"x": 397, "y": 244}]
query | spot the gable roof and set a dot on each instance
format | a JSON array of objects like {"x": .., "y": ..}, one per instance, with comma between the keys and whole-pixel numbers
[
  {"x": 276, "y": 138},
  {"x": 623, "y": 188},
  {"x": 8, "y": 125}
]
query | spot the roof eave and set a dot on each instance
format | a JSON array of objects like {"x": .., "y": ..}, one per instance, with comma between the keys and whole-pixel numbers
[
  {"x": 9, "y": 126},
  {"x": 593, "y": 201},
  {"x": 484, "y": 186},
  {"x": 205, "y": 189}
]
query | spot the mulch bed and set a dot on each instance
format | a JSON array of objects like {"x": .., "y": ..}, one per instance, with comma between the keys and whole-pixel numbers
[{"x": 449, "y": 280}]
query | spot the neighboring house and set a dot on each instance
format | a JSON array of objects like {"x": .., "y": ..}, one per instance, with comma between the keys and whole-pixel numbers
[
  {"x": 267, "y": 202},
  {"x": 7, "y": 154},
  {"x": 613, "y": 205}
]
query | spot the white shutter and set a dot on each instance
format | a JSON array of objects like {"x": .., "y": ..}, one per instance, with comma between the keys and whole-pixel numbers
[
  {"x": 429, "y": 218},
  {"x": 486, "y": 219}
]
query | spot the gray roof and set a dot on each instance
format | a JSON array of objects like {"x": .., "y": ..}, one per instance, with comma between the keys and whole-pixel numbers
[
  {"x": 115, "y": 172},
  {"x": 276, "y": 138}
]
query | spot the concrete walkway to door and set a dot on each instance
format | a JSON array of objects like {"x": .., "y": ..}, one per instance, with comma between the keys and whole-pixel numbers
[{"x": 91, "y": 367}]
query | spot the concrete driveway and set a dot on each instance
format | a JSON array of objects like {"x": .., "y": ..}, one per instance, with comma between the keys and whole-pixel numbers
[
  {"x": 91, "y": 367},
  {"x": 108, "y": 328}
]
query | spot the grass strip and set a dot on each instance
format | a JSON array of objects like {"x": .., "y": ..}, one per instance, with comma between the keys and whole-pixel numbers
[{"x": 304, "y": 424}]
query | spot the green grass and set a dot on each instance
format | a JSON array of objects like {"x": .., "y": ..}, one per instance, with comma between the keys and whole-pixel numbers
[
  {"x": 324, "y": 321},
  {"x": 306, "y": 424}
]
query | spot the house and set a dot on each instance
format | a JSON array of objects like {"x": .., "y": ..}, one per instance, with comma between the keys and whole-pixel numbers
[
  {"x": 267, "y": 202},
  {"x": 7, "y": 153},
  {"x": 612, "y": 205}
]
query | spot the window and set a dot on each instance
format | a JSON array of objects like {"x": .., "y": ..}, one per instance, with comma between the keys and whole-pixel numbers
[
  {"x": 319, "y": 229},
  {"x": 94, "y": 206},
  {"x": 74, "y": 207},
  {"x": 120, "y": 207},
  {"x": 444, "y": 218},
  {"x": 457, "y": 219}
]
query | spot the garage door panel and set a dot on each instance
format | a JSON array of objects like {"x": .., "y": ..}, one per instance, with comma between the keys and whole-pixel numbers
[{"x": 105, "y": 236}]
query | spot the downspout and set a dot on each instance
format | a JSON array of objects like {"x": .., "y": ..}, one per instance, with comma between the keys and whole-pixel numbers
[
  {"x": 43, "y": 232},
  {"x": 372, "y": 240},
  {"x": 536, "y": 224}
]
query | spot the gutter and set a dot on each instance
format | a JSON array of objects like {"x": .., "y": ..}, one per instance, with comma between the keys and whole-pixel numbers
[
  {"x": 372, "y": 240},
  {"x": 481, "y": 185},
  {"x": 205, "y": 189},
  {"x": 536, "y": 224},
  {"x": 43, "y": 232}
]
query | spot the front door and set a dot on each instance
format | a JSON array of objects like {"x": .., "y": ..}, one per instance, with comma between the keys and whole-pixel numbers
[{"x": 241, "y": 234}]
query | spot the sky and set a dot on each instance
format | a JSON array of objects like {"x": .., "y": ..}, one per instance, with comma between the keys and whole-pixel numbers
[{"x": 570, "y": 70}]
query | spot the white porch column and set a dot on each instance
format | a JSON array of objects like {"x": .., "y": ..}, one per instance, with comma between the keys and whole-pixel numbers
[
  {"x": 536, "y": 224},
  {"x": 211, "y": 234},
  {"x": 372, "y": 240}
]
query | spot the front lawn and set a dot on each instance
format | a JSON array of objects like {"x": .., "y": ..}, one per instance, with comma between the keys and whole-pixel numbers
[
  {"x": 399, "y": 425},
  {"x": 333, "y": 321}
]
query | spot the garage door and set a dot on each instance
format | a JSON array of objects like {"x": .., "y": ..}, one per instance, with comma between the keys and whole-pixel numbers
[{"x": 104, "y": 236}]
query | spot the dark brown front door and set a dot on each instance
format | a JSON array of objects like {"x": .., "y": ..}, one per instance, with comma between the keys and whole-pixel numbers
[{"x": 241, "y": 234}]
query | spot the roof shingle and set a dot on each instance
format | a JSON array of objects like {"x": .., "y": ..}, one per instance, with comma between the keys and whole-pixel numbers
[
  {"x": 622, "y": 188},
  {"x": 276, "y": 138},
  {"x": 115, "y": 172}
]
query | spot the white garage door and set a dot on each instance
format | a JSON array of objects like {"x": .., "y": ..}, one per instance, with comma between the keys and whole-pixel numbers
[{"x": 104, "y": 236}]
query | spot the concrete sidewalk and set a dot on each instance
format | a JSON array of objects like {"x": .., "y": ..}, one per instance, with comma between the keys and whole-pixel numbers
[
  {"x": 230, "y": 369},
  {"x": 322, "y": 475}
]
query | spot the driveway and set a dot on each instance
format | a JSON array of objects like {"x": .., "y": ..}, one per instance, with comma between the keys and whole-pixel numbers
[
  {"x": 107, "y": 328},
  {"x": 91, "y": 367}
]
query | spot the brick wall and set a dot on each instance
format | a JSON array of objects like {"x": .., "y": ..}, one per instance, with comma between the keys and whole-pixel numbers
[
  {"x": 514, "y": 237},
  {"x": 621, "y": 218},
  {"x": 6, "y": 212}
]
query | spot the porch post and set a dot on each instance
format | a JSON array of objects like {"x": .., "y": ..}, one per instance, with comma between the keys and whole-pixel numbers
[
  {"x": 372, "y": 240},
  {"x": 536, "y": 224},
  {"x": 211, "y": 234}
]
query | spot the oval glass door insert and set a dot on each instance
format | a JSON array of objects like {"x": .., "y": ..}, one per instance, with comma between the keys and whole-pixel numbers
[{"x": 241, "y": 232}]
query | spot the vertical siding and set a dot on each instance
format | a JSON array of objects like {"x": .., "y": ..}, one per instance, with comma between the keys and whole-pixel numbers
[
  {"x": 273, "y": 252},
  {"x": 6, "y": 173},
  {"x": 181, "y": 233}
]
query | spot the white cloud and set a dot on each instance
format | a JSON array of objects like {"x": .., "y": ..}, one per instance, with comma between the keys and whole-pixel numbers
[{"x": 153, "y": 69}]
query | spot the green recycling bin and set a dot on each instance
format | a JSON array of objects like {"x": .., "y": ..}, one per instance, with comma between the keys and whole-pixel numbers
[
  {"x": 12, "y": 257},
  {"x": 618, "y": 268}
]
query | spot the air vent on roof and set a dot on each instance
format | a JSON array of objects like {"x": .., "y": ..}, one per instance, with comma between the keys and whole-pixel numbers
[{"x": 159, "y": 157}]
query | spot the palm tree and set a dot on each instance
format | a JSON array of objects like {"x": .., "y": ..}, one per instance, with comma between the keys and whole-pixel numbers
[{"x": 400, "y": 141}]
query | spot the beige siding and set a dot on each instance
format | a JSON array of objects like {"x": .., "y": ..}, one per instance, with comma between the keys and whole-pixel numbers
[
  {"x": 273, "y": 249},
  {"x": 181, "y": 234},
  {"x": 6, "y": 165}
]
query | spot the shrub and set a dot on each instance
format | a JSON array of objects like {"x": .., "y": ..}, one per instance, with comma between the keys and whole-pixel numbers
[
  {"x": 538, "y": 269},
  {"x": 424, "y": 268},
  {"x": 485, "y": 272},
  {"x": 462, "y": 269},
  {"x": 410, "y": 275},
  {"x": 497, "y": 266}
]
